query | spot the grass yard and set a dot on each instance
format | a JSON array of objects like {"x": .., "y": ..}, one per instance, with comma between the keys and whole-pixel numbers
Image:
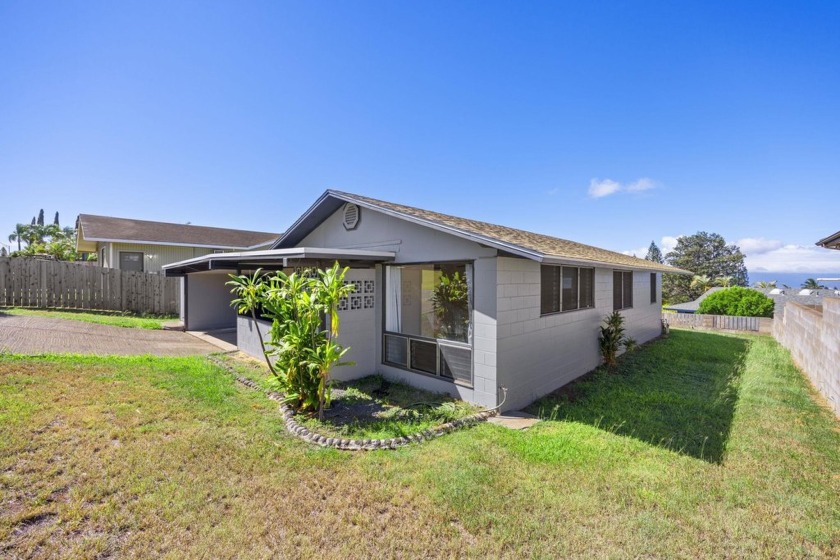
[
  {"x": 113, "y": 318},
  {"x": 725, "y": 454}
]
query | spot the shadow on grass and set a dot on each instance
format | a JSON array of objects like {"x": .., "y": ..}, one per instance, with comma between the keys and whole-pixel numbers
[{"x": 678, "y": 393}]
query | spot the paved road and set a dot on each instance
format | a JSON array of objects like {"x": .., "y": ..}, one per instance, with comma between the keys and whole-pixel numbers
[{"x": 37, "y": 335}]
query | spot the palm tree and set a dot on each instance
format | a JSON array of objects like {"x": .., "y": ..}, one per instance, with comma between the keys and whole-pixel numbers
[
  {"x": 771, "y": 284},
  {"x": 812, "y": 284},
  {"x": 18, "y": 235},
  {"x": 724, "y": 281},
  {"x": 701, "y": 282}
]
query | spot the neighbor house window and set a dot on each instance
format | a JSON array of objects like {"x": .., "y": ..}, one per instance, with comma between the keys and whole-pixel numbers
[
  {"x": 653, "y": 287},
  {"x": 428, "y": 319},
  {"x": 566, "y": 288},
  {"x": 131, "y": 260},
  {"x": 622, "y": 290}
]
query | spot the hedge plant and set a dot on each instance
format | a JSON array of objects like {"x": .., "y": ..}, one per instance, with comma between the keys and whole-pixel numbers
[{"x": 737, "y": 301}]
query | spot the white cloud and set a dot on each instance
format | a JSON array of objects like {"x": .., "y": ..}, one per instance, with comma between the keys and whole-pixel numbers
[
  {"x": 666, "y": 244},
  {"x": 768, "y": 255},
  {"x": 643, "y": 184},
  {"x": 758, "y": 245},
  {"x": 599, "y": 188},
  {"x": 793, "y": 258}
]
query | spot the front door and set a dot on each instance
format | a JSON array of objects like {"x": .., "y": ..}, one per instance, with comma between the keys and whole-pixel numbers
[{"x": 131, "y": 260}]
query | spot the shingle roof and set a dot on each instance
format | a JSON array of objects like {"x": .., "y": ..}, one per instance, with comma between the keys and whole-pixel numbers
[
  {"x": 830, "y": 242},
  {"x": 540, "y": 245},
  {"x": 693, "y": 306},
  {"x": 106, "y": 228}
]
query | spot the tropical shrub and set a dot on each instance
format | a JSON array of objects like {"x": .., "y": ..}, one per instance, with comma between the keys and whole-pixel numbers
[
  {"x": 612, "y": 338},
  {"x": 738, "y": 301},
  {"x": 451, "y": 302},
  {"x": 303, "y": 308}
]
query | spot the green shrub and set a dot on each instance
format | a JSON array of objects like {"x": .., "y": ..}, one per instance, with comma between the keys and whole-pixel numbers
[
  {"x": 612, "y": 338},
  {"x": 741, "y": 302}
]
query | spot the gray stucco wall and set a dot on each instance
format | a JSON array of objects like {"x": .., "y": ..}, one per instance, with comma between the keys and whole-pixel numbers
[
  {"x": 208, "y": 302},
  {"x": 538, "y": 354}
]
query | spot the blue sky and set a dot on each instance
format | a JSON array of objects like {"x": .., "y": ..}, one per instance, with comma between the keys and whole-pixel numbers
[{"x": 612, "y": 124}]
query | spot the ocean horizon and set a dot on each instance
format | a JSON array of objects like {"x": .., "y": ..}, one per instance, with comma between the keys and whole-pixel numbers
[{"x": 794, "y": 279}]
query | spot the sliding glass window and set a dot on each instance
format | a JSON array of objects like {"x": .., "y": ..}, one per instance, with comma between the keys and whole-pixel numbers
[
  {"x": 566, "y": 288},
  {"x": 428, "y": 313}
]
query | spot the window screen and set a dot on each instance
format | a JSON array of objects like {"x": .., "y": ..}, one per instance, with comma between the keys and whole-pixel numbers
[
  {"x": 622, "y": 290},
  {"x": 566, "y": 288}
]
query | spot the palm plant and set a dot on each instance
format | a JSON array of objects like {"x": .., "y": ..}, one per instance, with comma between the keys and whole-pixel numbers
[
  {"x": 701, "y": 282},
  {"x": 18, "y": 235},
  {"x": 304, "y": 348},
  {"x": 451, "y": 302},
  {"x": 724, "y": 281},
  {"x": 812, "y": 284},
  {"x": 612, "y": 338},
  {"x": 249, "y": 291},
  {"x": 771, "y": 284}
]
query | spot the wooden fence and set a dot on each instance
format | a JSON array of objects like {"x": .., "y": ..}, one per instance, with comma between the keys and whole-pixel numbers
[
  {"x": 33, "y": 282},
  {"x": 719, "y": 322}
]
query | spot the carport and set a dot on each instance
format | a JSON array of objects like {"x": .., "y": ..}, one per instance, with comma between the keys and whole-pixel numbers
[{"x": 205, "y": 297}]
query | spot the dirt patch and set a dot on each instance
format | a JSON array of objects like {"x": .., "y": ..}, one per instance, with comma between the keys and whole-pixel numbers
[{"x": 32, "y": 522}]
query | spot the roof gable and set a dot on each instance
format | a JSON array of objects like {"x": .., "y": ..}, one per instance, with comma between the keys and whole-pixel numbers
[
  {"x": 535, "y": 246},
  {"x": 106, "y": 228}
]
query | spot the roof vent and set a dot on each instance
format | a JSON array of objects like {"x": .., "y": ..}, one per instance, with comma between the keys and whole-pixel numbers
[
  {"x": 806, "y": 292},
  {"x": 351, "y": 216},
  {"x": 776, "y": 291}
]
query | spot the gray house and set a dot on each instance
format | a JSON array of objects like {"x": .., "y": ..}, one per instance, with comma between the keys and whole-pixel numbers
[{"x": 534, "y": 301}]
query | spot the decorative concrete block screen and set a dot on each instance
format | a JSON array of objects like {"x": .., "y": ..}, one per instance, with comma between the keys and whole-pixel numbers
[
  {"x": 813, "y": 337},
  {"x": 33, "y": 282}
]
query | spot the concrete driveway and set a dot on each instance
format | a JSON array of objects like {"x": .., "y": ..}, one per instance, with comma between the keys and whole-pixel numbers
[{"x": 38, "y": 335}]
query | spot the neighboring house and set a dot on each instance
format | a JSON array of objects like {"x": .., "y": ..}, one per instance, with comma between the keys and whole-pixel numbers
[
  {"x": 144, "y": 246},
  {"x": 830, "y": 242},
  {"x": 535, "y": 301},
  {"x": 691, "y": 306}
]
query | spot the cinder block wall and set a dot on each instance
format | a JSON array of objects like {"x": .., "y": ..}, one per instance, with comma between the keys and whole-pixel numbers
[
  {"x": 813, "y": 339},
  {"x": 539, "y": 353}
]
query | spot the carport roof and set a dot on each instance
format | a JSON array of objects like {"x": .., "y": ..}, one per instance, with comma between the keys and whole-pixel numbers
[{"x": 274, "y": 258}]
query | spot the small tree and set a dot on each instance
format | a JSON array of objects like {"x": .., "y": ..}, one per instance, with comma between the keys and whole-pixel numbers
[
  {"x": 304, "y": 347},
  {"x": 737, "y": 301}
]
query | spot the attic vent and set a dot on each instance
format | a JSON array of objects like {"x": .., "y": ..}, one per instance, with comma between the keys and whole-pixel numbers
[{"x": 351, "y": 216}]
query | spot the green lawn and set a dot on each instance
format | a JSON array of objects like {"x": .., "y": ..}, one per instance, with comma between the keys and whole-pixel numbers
[
  {"x": 703, "y": 445},
  {"x": 112, "y": 318}
]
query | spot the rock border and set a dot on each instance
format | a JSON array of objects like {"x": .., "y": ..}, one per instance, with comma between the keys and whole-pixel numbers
[{"x": 304, "y": 433}]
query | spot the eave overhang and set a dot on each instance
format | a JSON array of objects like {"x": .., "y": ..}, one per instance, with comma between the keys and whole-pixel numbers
[{"x": 276, "y": 259}]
